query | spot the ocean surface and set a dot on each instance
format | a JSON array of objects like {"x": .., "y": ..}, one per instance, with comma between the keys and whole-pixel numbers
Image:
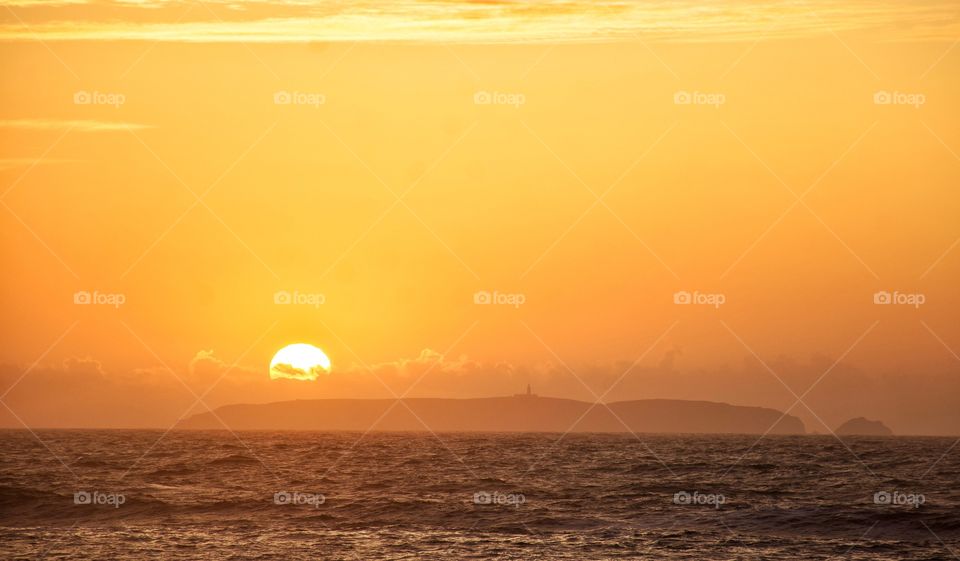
[{"x": 295, "y": 495}]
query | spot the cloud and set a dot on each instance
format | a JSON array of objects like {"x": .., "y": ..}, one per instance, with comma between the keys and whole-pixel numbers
[
  {"x": 81, "y": 392},
  {"x": 281, "y": 370},
  {"x": 206, "y": 370},
  {"x": 464, "y": 21},
  {"x": 428, "y": 360},
  {"x": 72, "y": 125},
  {"x": 204, "y": 362},
  {"x": 83, "y": 367},
  {"x": 43, "y": 3}
]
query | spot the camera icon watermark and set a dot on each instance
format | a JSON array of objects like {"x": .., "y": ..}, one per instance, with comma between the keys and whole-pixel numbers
[
  {"x": 498, "y": 498},
  {"x": 98, "y": 498},
  {"x": 514, "y": 99},
  {"x": 297, "y": 298},
  {"x": 83, "y": 97},
  {"x": 85, "y": 298},
  {"x": 298, "y": 498},
  {"x": 312, "y": 99},
  {"x": 884, "y": 97},
  {"x": 696, "y": 297},
  {"x": 897, "y": 498},
  {"x": 884, "y": 298},
  {"x": 697, "y": 498},
  {"x": 683, "y": 97},
  {"x": 486, "y": 298}
]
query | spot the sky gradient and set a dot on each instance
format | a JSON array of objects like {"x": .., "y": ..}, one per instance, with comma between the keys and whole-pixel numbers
[{"x": 196, "y": 166}]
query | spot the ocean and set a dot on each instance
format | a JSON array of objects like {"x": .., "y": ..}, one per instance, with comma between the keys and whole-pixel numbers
[{"x": 142, "y": 494}]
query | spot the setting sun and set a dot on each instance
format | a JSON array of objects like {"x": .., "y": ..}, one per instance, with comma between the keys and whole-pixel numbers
[{"x": 299, "y": 361}]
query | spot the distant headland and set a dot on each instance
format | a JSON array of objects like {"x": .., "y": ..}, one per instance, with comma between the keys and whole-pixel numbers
[{"x": 526, "y": 412}]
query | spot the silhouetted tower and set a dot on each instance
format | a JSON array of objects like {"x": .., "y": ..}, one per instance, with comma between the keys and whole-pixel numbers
[{"x": 528, "y": 390}]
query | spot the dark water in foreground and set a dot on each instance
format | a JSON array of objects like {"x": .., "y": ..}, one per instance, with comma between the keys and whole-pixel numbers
[{"x": 260, "y": 495}]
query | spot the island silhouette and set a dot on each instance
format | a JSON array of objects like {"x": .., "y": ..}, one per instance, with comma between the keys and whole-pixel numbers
[
  {"x": 861, "y": 426},
  {"x": 526, "y": 412}
]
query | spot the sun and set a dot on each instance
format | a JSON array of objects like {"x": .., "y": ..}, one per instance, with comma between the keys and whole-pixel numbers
[{"x": 300, "y": 361}]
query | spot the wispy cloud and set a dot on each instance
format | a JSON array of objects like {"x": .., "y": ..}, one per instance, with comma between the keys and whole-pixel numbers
[
  {"x": 464, "y": 21},
  {"x": 73, "y": 125}
]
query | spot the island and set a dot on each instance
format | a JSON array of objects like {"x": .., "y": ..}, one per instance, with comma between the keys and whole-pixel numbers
[
  {"x": 519, "y": 413},
  {"x": 863, "y": 427}
]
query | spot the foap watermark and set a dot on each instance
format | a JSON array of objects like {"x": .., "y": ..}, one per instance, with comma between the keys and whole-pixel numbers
[
  {"x": 683, "y": 97},
  {"x": 698, "y": 498},
  {"x": 512, "y": 99},
  {"x": 312, "y": 99},
  {"x": 297, "y": 298},
  {"x": 84, "y": 298},
  {"x": 699, "y": 298},
  {"x": 897, "y": 498},
  {"x": 298, "y": 498},
  {"x": 84, "y": 97},
  {"x": 485, "y": 297},
  {"x": 884, "y": 97},
  {"x": 884, "y": 298},
  {"x": 98, "y": 498},
  {"x": 498, "y": 498}
]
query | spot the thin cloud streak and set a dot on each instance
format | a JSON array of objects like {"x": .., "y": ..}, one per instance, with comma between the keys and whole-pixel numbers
[
  {"x": 79, "y": 126},
  {"x": 468, "y": 22}
]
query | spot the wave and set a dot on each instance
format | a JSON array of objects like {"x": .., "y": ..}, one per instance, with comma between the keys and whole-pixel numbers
[{"x": 234, "y": 459}]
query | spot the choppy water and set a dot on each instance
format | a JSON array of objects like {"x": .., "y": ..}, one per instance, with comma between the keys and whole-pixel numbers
[{"x": 259, "y": 495}]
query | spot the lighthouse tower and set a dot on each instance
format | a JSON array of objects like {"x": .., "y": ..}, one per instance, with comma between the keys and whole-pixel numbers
[{"x": 529, "y": 393}]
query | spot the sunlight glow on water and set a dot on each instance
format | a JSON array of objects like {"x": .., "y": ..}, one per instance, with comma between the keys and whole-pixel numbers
[{"x": 394, "y": 495}]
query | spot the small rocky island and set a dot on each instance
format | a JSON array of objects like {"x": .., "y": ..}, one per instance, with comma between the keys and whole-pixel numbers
[{"x": 863, "y": 427}]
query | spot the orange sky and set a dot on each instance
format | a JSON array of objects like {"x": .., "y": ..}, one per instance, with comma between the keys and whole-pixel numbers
[{"x": 431, "y": 150}]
